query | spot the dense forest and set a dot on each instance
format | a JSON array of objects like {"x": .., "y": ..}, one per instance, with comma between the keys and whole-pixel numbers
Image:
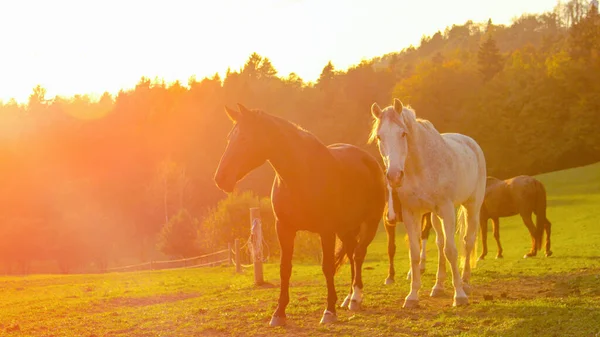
[{"x": 93, "y": 181}]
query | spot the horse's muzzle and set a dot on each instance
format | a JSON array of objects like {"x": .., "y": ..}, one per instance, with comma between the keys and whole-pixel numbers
[
  {"x": 225, "y": 182},
  {"x": 395, "y": 178}
]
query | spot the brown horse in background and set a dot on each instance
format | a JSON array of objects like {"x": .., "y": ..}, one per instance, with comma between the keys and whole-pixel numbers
[{"x": 521, "y": 195}]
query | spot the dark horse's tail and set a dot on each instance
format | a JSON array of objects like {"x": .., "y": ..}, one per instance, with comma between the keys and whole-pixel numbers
[
  {"x": 375, "y": 204},
  {"x": 540, "y": 212},
  {"x": 340, "y": 257}
]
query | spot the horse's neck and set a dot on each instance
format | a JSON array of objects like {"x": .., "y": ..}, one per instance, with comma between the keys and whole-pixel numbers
[
  {"x": 291, "y": 152},
  {"x": 426, "y": 148}
]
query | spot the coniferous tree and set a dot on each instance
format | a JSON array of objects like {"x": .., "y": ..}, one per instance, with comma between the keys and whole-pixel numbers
[{"x": 489, "y": 59}]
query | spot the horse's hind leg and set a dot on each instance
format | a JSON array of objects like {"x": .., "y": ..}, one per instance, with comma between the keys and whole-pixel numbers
[
  {"x": 548, "y": 228},
  {"x": 470, "y": 236},
  {"x": 496, "y": 229},
  {"x": 426, "y": 228},
  {"x": 451, "y": 252},
  {"x": 367, "y": 233},
  {"x": 349, "y": 246},
  {"x": 438, "y": 288},
  {"x": 391, "y": 240},
  {"x": 526, "y": 216},
  {"x": 484, "y": 232}
]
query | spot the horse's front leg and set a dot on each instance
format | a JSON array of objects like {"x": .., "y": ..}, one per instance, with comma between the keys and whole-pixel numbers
[
  {"x": 425, "y": 229},
  {"x": 286, "y": 242},
  {"x": 412, "y": 223},
  {"x": 328, "y": 246}
]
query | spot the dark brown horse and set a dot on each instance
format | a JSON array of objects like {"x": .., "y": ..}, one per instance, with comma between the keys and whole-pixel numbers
[
  {"x": 329, "y": 190},
  {"x": 521, "y": 195}
]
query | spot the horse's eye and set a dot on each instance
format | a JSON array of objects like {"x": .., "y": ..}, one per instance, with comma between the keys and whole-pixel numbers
[{"x": 403, "y": 134}]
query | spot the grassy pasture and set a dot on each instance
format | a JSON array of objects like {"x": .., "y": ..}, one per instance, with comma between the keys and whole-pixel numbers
[{"x": 556, "y": 296}]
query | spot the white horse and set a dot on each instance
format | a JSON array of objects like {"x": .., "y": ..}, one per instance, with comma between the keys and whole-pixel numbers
[{"x": 432, "y": 172}]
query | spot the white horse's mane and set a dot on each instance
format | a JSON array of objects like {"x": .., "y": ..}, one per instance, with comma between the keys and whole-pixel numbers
[{"x": 409, "y": 118}]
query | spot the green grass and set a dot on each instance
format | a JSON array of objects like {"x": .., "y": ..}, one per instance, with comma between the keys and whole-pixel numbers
[{"x": 556, "y": 296}]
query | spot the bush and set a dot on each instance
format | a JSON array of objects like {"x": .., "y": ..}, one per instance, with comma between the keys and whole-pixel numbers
[
  {"x": 230, "y": 220},
  {"x": 179, "y": 237}
]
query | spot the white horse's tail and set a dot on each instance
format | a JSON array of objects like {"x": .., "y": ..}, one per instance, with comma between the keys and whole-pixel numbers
[{"x": 461, "y": 224}]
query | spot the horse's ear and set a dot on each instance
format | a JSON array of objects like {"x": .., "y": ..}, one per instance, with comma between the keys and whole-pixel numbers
[
  {"x": 232, "y": 114},
  {"x": 376, "y": 111},
  {"x": 243, "y": 109},
  {"x": 398, "y": 106}
]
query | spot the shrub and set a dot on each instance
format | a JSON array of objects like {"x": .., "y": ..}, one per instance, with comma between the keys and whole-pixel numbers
[
  {"x": 179, "y": 237},
  {"x": 230, "y": 220}
]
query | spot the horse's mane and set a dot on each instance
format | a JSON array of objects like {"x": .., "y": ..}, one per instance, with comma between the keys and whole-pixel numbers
[
  {"x": 408, "y": 117},
  {"x": 491, "y": 179},
  {"x": 283, "y": 124}
]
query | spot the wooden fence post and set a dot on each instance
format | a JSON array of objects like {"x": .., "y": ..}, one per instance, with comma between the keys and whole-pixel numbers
[
  {"x": 257, "y": 256},
  {"x": 229, "y": 255},
  {"x": 238, "y": 264}
]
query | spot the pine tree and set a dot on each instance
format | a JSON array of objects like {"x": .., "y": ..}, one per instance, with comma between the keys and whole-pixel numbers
[
  {"x": 326, "y": 75},
  {"x": 489, "y": 59}
]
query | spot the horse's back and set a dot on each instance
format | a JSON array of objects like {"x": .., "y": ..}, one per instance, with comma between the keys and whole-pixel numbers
[
  {"x": 498, "y": 201},
  {"x": 469, "y": 166},
  {"x": 363, "y": 181},
  {"x": 527, "y": 191},
  {"x": 520, "y": 194},
  {"x": 341, "y": 188}
]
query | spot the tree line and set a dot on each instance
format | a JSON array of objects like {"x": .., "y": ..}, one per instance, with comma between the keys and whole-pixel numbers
[{"x": 89, "y": 183}]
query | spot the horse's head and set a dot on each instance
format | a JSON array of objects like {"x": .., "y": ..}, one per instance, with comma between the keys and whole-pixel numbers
[
  {"x": 391, "y": 131},
  {"x": 247, "y": 148}
]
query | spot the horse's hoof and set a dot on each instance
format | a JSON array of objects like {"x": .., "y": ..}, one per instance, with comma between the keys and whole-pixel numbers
[
  {"x": 422, "y": 271},
  {"x": 549, "y": 253},
  {"x": 354, "y": 305},
  {"x": 346, "y": 302},
  {"x": 277, "y": 321},
  {"x": 499, "y": 256},
  {"x": 437, "y": 292},
  {"x": 528, "y": 255},
  {"x": 328, "y": 317},
  {"x": 481, "y": 258},
  {"x": 467, "y": 288},
  {"x": 411, "y": 304},
  {"x": 460, "y": 301},
  {"x": 389, "y": 281}
]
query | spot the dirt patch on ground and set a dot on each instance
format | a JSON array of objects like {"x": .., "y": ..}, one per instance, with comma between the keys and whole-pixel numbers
[
  {"x": 553, "y": 286},
  {"x": 585, "y": 282},
  {"x": 140, "y": 301}
]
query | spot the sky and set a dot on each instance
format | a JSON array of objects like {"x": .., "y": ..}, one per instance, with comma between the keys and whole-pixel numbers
[{"x": 91, "y": 46}]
